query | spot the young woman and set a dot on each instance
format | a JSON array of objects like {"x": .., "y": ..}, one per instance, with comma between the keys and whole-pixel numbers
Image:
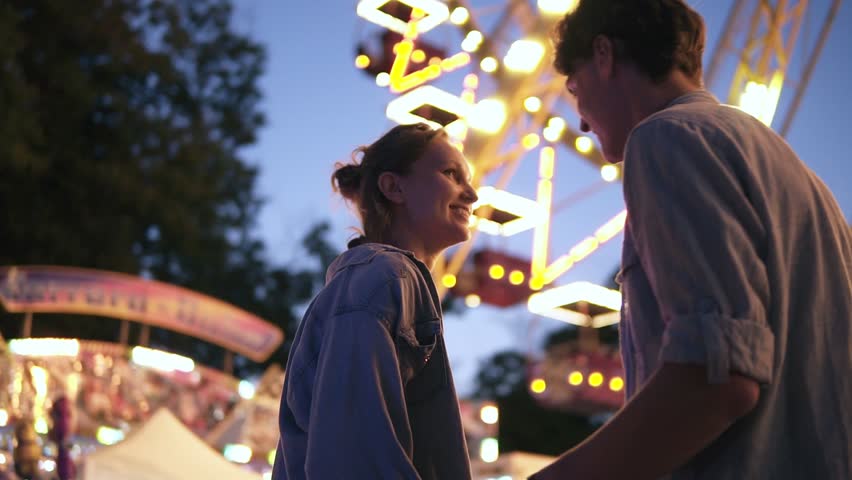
[{"x": 369, "y": 393}]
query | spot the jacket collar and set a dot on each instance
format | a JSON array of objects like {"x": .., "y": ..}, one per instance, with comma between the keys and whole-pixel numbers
[{"x": 363, "y": 253}]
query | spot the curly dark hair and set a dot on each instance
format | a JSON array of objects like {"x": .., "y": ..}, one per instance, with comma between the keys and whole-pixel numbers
[{"x": 655, "y": 35}]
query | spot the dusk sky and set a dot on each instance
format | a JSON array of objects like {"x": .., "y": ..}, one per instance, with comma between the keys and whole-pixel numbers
[{"x": 320, "y": 107}]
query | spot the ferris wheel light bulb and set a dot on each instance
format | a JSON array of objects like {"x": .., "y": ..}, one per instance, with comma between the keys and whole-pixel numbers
[
  {"x": 524, "y": 56},
  {"x": 488, "y": 115},
  {"x": 557, "y": 7}
]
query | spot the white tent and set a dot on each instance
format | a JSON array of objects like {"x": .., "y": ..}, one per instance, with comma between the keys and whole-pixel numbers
[
  {"x": 162, "y": 449},
  {"x": 512, "y": 465}
]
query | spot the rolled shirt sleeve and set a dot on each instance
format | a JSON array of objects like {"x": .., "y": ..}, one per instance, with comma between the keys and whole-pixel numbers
[
  {"x": 700, "y": 241},
  {"x": 358, "y": 425}
]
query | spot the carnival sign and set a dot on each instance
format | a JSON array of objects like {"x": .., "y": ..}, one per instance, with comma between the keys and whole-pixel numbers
[{"x": 51, "y": 289}]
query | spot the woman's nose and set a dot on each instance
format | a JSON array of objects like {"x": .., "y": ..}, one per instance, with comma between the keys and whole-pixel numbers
[{"x": 470, "y": 194}]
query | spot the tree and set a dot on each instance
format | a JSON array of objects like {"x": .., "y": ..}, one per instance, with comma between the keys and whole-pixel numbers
[
  {"x": 121, "y": 129},
  {"x": 525, "y": 424},
  {"x": 502, "y": 374}
]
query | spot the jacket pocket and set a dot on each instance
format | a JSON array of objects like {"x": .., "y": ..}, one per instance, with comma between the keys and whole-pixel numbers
[{"x": 426, "y": 362}]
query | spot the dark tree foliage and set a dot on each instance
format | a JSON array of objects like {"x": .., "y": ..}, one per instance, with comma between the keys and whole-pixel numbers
[{"x": 122, "y": 126}]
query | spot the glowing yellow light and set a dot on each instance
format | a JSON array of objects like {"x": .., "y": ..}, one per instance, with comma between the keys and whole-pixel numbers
[
  {"x": 760, "y": 100},
  {"x": 556, "y": 122},
  {"x": 616, "y": 384},
  {"x": 457, "y": 130},
  {"x": 414, "y": 79},
  {"x": 401, "y": 108},
  {"x": 433, "y": 14},
  {"x": 404, "y": 50},
  {"x": 529, "y": 213},
  {"x": 472, "y": 41},
  {"x": 532, "y": 104},
  {"x": 270, "y": 457},
  {"x": 489, "y": 414},
  {"x": 516, "y": 277},
  {"x": 472, "y": 300},
  {"x": 383, "y": 79},
  {"x": 489, "y": 450},
  {"x": 554, "y": 129},
  {"x": 160, "y": 360},
  {"x": 39, "y": 380},
  {"x": 488, "y": 115},
  {"x": 530, "y": 141},
  {"x": 575, "y": 378},
  {"x": 549, "y": 302},
  {"x": 583, "y": 249},
  {"x": 449, "y": 280},
  {"x": 237, "y": 453},
  {"x": 538, "y": 263},
  {"x": 459, "y": 16},
  {"x": 536, "y": 284},
  {"x": 596, "y": 379},
  {"x": 4, "y": 417},
  {"x": 469, "y": 46},
  {"x": 496, "y": 272},
  {"x": 41, "y": 426},
  {"x": 471, "y": 167},
  {"x": 471, "y": 80},
  {"x": 475, "y": 36},
  {"x": 44, "y": 347},
  {"x": 584, "y": 144},
  {"x": 488, "y": 64},
  {"x": 611, "y": 228},
  {"x": 558, "y": 267},
  {"x": 458, "y": 60},
  {"x": 609, "y": 172},
  {"x": 557, "y": 7},
  {"x": 552, "y": 134},
  {"x": 418, "y": 56},
  {"x": 524, "y": 56},
  {"x": 538, "y": 385},
  {"x": 246, "y": 389},
  {"x": 362, "y": 61},
  {"x": 606, "y": 319},
  {"x": 109, "y": 436},
  {"x": 546, "y": 162}
]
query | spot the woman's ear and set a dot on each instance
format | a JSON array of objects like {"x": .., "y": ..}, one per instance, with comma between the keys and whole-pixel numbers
[{"x": 391, "y": 187}]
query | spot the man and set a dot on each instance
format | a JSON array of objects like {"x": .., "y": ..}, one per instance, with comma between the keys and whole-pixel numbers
[{"x": 736, "y": 268}]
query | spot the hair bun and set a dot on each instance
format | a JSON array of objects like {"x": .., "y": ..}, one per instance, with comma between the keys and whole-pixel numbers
[{"x": 347, "y": 180}]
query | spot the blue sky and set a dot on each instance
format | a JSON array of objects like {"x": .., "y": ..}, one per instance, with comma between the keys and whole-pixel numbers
[{"x": 320, "y": 107}]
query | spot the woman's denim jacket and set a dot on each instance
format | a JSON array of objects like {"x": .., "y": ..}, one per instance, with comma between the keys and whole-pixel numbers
[{"x": 368, "y": 392}]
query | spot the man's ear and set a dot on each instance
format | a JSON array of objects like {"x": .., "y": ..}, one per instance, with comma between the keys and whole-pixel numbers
[
  {"x": 603, "y": 54},
  {"x": 391, "y": 187}
]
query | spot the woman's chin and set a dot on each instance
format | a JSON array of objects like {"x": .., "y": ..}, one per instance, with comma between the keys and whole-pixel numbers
[
  {"x": 454, "y": 237},
  {"x": 462, "y": 235}
]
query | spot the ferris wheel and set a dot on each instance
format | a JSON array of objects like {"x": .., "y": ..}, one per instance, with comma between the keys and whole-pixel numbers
[{"x": 481, "y": 70}]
